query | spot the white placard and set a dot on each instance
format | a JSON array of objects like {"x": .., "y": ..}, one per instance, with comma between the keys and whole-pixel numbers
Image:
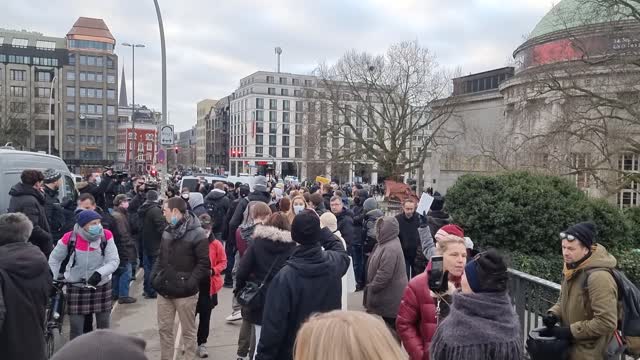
[
  {"x": 166, "y": 135},
  {"x": 425, "y": 203}
]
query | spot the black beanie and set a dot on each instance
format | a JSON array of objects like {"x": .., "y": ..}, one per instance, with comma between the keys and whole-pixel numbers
[
  {"x": 585, "y": 232},
  {"x": 487, "y": 272},
  {"x": 305, "y": 228},
  {"x": 438, "y": 202},
  {"x": 102, "y": 344}
]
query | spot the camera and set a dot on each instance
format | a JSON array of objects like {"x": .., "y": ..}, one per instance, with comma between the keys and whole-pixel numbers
[{"x": 438, "y": 277}]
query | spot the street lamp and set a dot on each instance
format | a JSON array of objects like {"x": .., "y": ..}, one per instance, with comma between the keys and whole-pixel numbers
[
  {"x": 55, "y": 77},
  {"x": 133, "y": 94}
]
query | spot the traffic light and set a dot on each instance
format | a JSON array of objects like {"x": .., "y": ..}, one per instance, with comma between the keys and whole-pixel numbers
[{"x": 177, "y": 150}]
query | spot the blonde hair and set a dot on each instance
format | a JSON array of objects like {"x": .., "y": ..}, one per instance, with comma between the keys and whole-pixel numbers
[
  {"x": 444, "y": 243},
  {"x": 346, "y": 335}
]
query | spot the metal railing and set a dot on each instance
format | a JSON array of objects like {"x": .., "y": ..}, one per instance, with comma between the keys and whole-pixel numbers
[{"x": 533, "y": 297}]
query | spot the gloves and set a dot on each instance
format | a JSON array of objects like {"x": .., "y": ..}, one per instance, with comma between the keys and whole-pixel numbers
[
  {"x": 423, "y": 220},
  {"x": 561, "y": 332},
  {"x": 95, "y": 278},
  {"x": 550, "y": 320}
]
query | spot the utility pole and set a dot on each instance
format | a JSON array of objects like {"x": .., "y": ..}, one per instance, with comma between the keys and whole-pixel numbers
[{"x": 133, "y": 99}]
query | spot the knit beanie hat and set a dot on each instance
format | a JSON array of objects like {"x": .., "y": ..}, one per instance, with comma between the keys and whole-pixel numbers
[
  {"x": 585, "y": 232},
  {"x": 120, "y": 199},
  {"x": 102, "y": 344},
  {"x": 487, "y": 272},
  {"x": 306, "y": 228},
  {"x": 87, "y": 216},
  {"x": 448, "y": 231},
  {"x": 152, "y": 195},
  {"x": 329, "y": 221},
  {"x": 51, "y": 176},
  {"x": 369, "y": 204}
]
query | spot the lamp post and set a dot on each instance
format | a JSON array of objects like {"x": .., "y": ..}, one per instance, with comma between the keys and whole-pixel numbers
[
  {"x": 164, "y": 63},
  {"x": 133, "y": 96},
  {"x": 55, "y": 77}
]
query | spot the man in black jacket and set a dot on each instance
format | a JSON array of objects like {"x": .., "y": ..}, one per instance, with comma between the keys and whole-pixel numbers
[
  {"x": 153, "y": 225},
  {"x": 28, "y": 198},
  {"x": 182, "y": 263},
  {"x": 230, "y": 246},
  {"x": 310, "y": 282},
  {"x": 345, "y": 220},
  {"x": 217, "y": 204},
  {"x": 138, "y": 197},
  {"x": 409, "y": 222},
  {"x": 359, "y": 197},
  {"x": 55, "y": 212},
  {"x": 25, "y": 281}
]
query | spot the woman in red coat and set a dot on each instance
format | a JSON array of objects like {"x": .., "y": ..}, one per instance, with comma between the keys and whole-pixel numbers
[{"x": 418, "y": 316}]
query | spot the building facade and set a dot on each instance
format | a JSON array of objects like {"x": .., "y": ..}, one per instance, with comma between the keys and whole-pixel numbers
[
  {"x": 186, "y": 148},
  {"x": 90, "y": 96},
  {"x": 30, "y": 90},
  {"x": 217, "y": 128},
  {"x": 204, "y": 110}
]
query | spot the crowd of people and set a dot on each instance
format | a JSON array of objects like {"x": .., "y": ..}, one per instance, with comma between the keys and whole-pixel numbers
[{"x": 291, "y": 254}]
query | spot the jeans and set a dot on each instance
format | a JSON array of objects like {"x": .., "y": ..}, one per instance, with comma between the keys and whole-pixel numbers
[
  {"x": 408, "y": 262},
  {"x": 148, "y": 266},
  {"x": 76, "y": 323},
  {"x": 120, "y": 281},
  {"x": 358, "y": 263},
  {"x": 246, "y": 339},
  {"x": 167, "y": 309}
]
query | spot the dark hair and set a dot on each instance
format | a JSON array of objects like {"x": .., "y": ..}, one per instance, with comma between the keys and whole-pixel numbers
[
  {"x": 327, "y": 188},
  {"x": 87, "y": 196},
  {"x": 339, "y": 193},
  {"x": 205, "y": 221},
  {"x": 219, "y": 185},
  {"x": 279, "y": 220},
  {"x": 336, "y": 198},
  {"x": 307, "y": 197},
  {"x": 31, "y": 177},
  {"x": 409, "y": 200},
  {"x": 316, "y": 199},
  {"x": 285, "y": 204},
  {"x": 177, "y": 203}
]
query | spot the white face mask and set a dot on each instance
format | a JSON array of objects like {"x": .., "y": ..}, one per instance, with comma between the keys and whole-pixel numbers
[{"x": 297, "y": 209}]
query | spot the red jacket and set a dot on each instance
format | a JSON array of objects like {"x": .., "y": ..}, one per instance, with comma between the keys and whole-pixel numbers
[
  {"x": 218, "y": 259},
  {"x": 416, "y": 322}
]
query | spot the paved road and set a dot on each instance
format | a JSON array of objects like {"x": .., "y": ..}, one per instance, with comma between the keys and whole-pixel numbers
[{"x": 140, "y": 320}]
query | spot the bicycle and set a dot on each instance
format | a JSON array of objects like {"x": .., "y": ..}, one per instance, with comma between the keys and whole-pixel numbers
[{"x": 54, "y": 316}]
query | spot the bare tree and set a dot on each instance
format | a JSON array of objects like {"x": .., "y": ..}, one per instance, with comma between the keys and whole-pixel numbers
[
  {"x": 379, "y": 109},
  {"x": 15, "y": 130}
]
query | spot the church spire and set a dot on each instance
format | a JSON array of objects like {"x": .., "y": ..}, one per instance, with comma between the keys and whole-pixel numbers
[{"x": 123, "y": 91}]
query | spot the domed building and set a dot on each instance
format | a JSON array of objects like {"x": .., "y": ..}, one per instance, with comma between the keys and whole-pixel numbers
[{"x": 570, "y": 106}]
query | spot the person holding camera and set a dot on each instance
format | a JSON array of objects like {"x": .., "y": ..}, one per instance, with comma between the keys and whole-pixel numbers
[
  {"x": 386, "y": 273},
  {"x": 426, "y": 299}
]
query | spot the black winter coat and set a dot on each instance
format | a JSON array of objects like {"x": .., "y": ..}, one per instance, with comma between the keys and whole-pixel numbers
[
  {"x": 271, "y": 247},
  {"x": 327, "y": 200},
  {"x": 310, "y": 282},
  {"x": 125, "y": 242},
  {"x": 436, "y": 220},
  {"x": 55, "y": 213},
  {"x": 219, "y": 204},
  {"x": 29, "y": 201},
  {"x": 183, "y": 261},
  {"x": 238, "y": 214},
  {"x": 409, "y": 237},
  {"x": 137, "y": 199},
  {"x": 345, "y": 226},
  {"x": 25, "y": 281},
  {"x": 226, "y": 234},
  {"x": 152, "y": 225}
]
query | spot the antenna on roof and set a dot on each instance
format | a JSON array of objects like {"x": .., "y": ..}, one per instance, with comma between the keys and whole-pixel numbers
[{"x": 278, "y": 53}]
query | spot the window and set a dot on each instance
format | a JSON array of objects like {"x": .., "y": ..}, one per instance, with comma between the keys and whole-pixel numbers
[
  {"x": 17, "y": 107},
  {"x": 259, "y": 115},
  {"x": 110, "y": 63},
  {"x": 273, "y": 116},
  {"x": 259, "y": 128},
  {"x": 72, "y": 59},
  {"x": 42, "y": 108},
  {"x": 259, "y": 103},
  {"x": 111, "y": 94},
  {"x": 111, "y": 79},
  {"x": 91, "y": 76},
  {"x": 88, "y": 44},
  {"x": 71, "y": 107},
  {"x": 71, "y": 91},
  {"x": 273, "y": 104},
  {"x": 149, "y": 146},
  {"x": 42, "y": 92},
  {"x": 91, "y": 93},
  {"x": 284, "y": 92},
  {"x": 91, "y": 60},
  {"x": 70, "y": 139},
  {"x": 19, "y": 43},
  {"x": 271, "y": 91},
  {"x": 308, "y": 83},
  {"x": 259, "y": 140},
  {"x": 285, "y": 141},
  {"x": 83, "y": 76},
  {"x": 18, "y": 75},
  {"x": 45, "y": 61},
  {"x": 83, "y": 92},
  {"x": 285, "y": 105},
  {"x": 273, "y": 128},
  {"x": 111, "y": 110},
  {"x": 272, "y": 151},
  {"x": 83, "y": 60},
  {"x": 43, "y": 76},
  {"x": 259, "y": 150},
  {"x": 298, "y": 129},
  {"x": 283, "y": 81},
  {"x": 98, "y": 93},
  {"x": 111, "y": 140},
  {"x": 297, "y": 93},
  {"x": 270, "y": 80},
  {"x": 285, "y": 117},
  {"x": 581, "y": 163},
  {"x": 286, "y": 129},
  {"x": 285, "y": 152},
  {"x": 295, "y": 82},
  {"x": 18, "y": 59},
  {"x": 298, "y": 105},
  {"x": 98, "y": 77},
  {"x": 272, "y": 140},
  {"x": 17, "y": 91},
  {"x": 298, "y": 118},
  {"x": 298, "y": 153},
  {"x": 71, "y": 75}
]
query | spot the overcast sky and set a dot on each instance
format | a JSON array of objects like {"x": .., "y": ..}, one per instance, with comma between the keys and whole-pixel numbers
[{"x": 212, "y": 44}]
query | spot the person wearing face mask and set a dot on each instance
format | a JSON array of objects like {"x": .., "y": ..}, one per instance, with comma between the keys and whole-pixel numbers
[
  {"x": 126, "y": 250},
  {"x": 418, "y": 316},
  {"x": 55, "y": 213},
  {"x": 93, "y": 258},
  {"x": 483, "y": 323},
  {"x": 183, "y": 262},
  {"x": 298, "y": 204}
]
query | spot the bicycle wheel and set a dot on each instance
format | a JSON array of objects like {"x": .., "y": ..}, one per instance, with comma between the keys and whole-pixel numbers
[{"x": 50, "y": 341}]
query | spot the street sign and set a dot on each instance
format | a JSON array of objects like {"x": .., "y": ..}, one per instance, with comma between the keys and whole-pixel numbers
[{"x": 166, "y": 135}]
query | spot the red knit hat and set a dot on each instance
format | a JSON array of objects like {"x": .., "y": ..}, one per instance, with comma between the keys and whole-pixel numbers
[{"x": 452, "y": 229}]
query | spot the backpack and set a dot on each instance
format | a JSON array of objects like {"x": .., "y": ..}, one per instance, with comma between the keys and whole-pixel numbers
[
  {"x": 72, "y": 251},
  {"x": 217, "y": 213},
  {"x": 628, "y": 331}
]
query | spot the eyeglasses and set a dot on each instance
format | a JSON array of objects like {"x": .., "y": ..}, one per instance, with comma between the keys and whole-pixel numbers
[{"x": 567, "y": 236}]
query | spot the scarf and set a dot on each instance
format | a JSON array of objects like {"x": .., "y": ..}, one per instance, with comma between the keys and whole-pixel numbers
[
  {"x": 181, "y": 227},
  {"x": 481, "y": 326},
  {"x": 85, "y": 235},
  {"x": 569, "y": 271}
]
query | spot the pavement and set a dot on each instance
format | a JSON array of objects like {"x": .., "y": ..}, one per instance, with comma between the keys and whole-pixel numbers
[{"x": 140, "y": 320}]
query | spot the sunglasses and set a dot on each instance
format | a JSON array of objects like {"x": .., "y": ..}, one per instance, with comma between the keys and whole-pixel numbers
[{"x": 567, "y": 236}]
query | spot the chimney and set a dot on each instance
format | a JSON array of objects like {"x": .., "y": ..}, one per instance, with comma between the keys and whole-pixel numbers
[{"x": 278, "y": 52}]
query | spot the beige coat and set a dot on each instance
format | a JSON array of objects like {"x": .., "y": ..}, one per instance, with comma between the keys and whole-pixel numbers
[{"x": 592, "y": 313}]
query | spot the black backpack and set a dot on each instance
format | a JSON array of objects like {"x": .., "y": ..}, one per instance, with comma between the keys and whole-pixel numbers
[{"x": 217, "y": 213}]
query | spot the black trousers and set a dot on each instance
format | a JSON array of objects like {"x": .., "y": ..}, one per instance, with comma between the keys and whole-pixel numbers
[
  {"x": 206, "y": 303},
  {"x": 88, "y": 324}
]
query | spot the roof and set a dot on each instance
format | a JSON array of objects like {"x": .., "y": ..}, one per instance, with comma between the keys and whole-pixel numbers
[
  {"x": 7, "y": 36},
  {"x": 91, "y": 27},
  {"x": 570, "y": 14}
]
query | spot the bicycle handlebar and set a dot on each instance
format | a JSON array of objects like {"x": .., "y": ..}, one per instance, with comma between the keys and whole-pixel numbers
[{"x": 83, "y": 282}]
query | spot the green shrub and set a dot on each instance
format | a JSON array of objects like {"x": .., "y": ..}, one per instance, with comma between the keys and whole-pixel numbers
[
  {"x": 633, "y": 219},
  {"x": 546, "y": 267},
  {"x": 629, "y": 262},
  {"x": 524, "y": 213}
]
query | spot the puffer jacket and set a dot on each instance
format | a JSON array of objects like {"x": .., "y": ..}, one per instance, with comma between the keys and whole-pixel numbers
[
  {"x": 218, "y": 260},
  {"x": 416, "y": 322},
  {"x": 29, "y": 201},
  {"x": 152, "y": 226},
  {"x": 591, "y": 313},
  {"x": 123, "y": 238},
  {"x": 183, "y": 261},
  {"x": 86, "y": 259},
  {"x": 386, "y": 272},
  {"x": 271, "y": 247}
]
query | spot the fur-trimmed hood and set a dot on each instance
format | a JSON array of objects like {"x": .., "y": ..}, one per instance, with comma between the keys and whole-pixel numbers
[{"x": 272, "y": 233}]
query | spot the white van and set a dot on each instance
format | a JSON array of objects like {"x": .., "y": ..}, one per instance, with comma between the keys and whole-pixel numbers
[{"x": 13, "y": 162}]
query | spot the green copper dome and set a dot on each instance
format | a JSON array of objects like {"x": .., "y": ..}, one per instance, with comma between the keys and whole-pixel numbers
[{"x": 569, "y": 14}]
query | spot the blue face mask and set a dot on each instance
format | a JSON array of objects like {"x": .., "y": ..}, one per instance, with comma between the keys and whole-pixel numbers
[
  {"x": 174, "y": 220},
  {"x": 95, "y": 229}
]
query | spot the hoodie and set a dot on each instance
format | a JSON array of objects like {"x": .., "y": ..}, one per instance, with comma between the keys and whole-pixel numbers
[
  {"x": 310, "y": 282},
  {"x": 217, "y": 204},
  {"x": 196, "y": 202},
  {"x": 25, "y": 282},
  {"x": 31, "y": 202},
  {"x": 371, "y": 215}
]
